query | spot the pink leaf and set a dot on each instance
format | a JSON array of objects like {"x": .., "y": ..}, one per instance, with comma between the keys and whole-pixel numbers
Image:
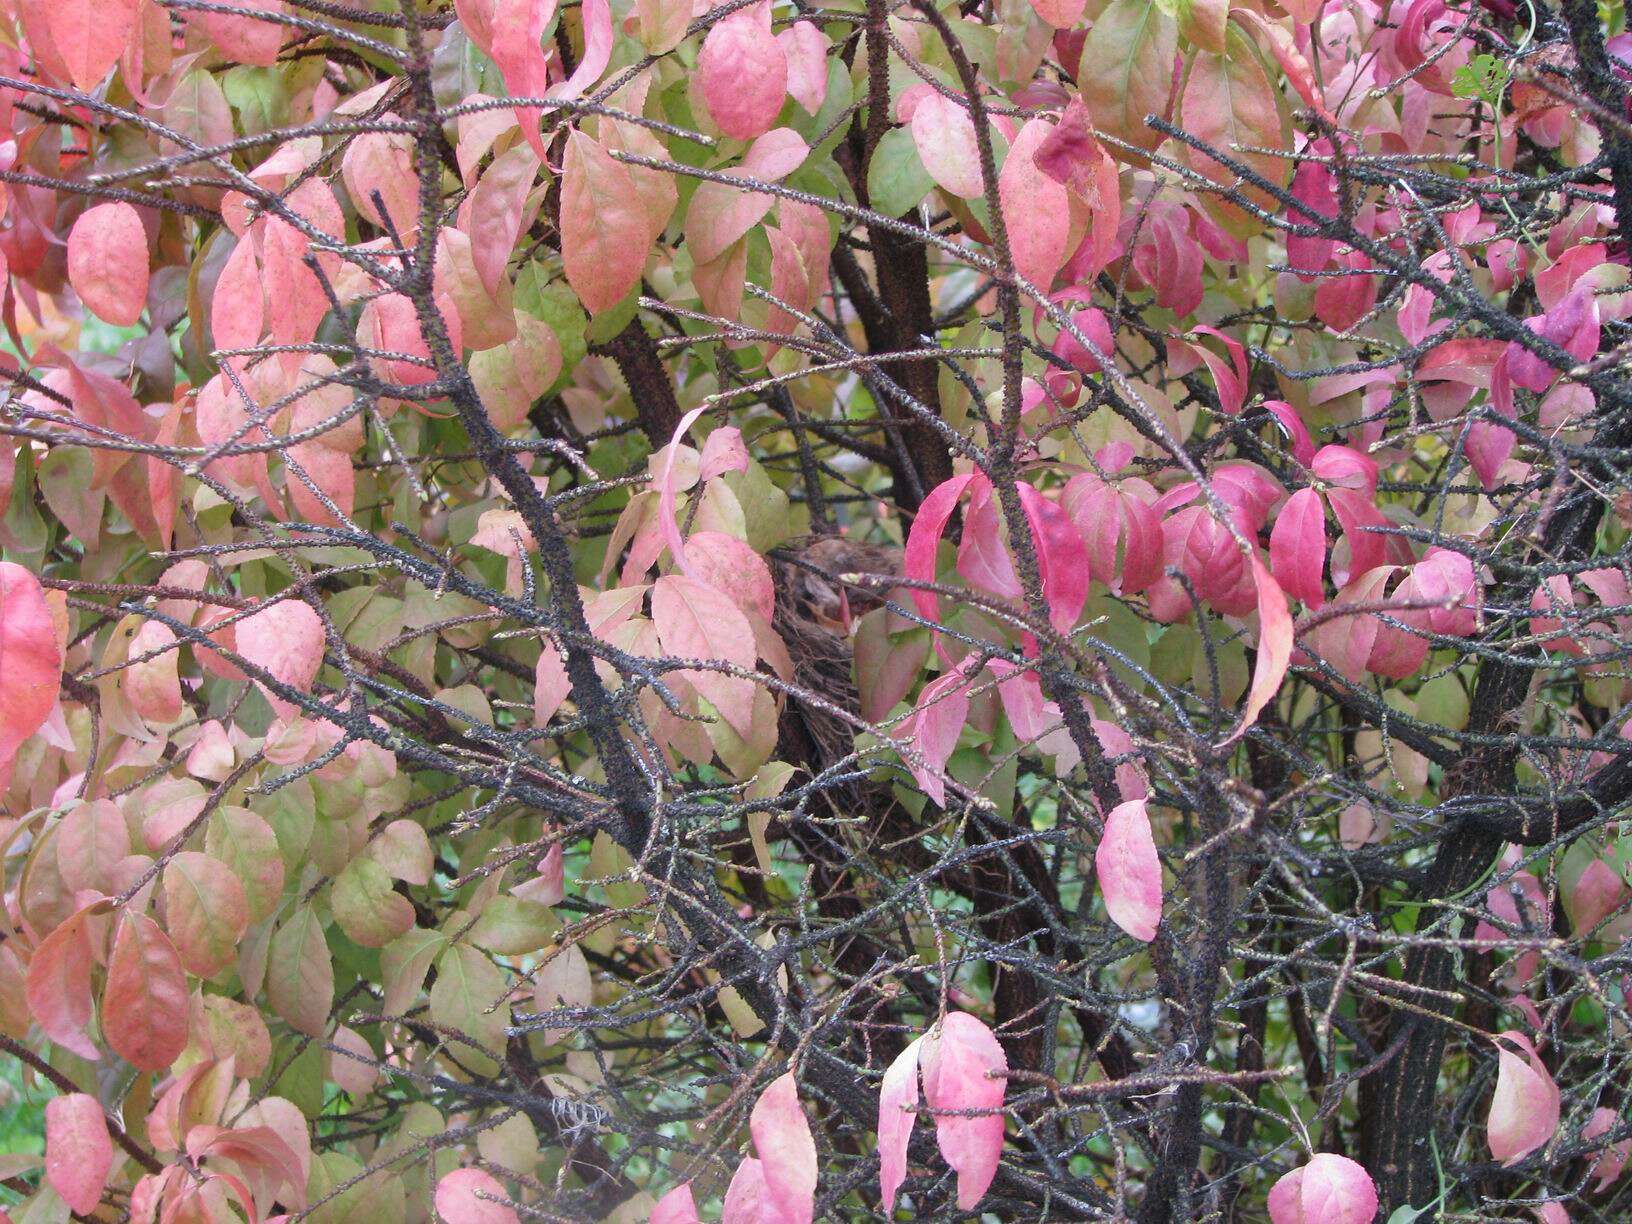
[
  {"x": 806, "y": 49},
  {"x": 668, "y": 479},
  {"x": 1297, "y": 547},
  {"x": 965, "y": 1070},
  {"x": 496, "y": 205},
  {"x": 723, "y": 451},
  {"x": 1274, "y": 648},
  {"x": 1303, "y": 447},
  {"x": 237, "y": 312},
  {"x": 742, "y": 73},
  {"x": 550, "y": 684},
  {"x": 459, "y": 1201},
  {"x": 144, "y": 1002},
  {"x": 897, "y": 1105},
  {"x": 107, "y": 263},
  {"x": 1061, "y": 555},
  {"x": 983, "y": 554},
  {"x": 597, "y": 17},
  {"x": 945, "y": 137},
  {"x": 244, "y": 39},
  {"x": 727, "y": 564},
  {"x": 1129, "y": 871},
  {"x": 1061, "y": 14},
  {"x": 720, "y": 214},
  {"x": 748, "y": 1198},
  {"x": 514, "y": 28},
  {"x": 924, "y": 538},
  {"x": 675, "y": 1207},
  {"x": 1596, "y": 894},
  {"x": 1313, "y": 187},
  {"x": 78, "y": 1152},
  {"x": 1329, "y": 1189},
  {"x": 943, "y": 708},
  {"x": 1021, "y": 693},
  {"x": 1073, "y": 155},
  {"x": 58, "y": 986},
  {"x": 1608, "y": 1166},
  {"x": 1299, "y": 74},
  {"x": 787, "y": 1153},
  {"x": 1036, "y": 208},
  {"x": 1524, "y": 1110},
  {"x": 1336, "y": 1190},
  {"x": 153, "y": 686},
  {"x": 1232, "y": 380},
  {"x": 604, "y": 227},
  {"x": 695, "y": 621},
  {"x": 30, "y": 662},
  {"x": 285, "y": 639},
  {"x": 91, "y": 35}
]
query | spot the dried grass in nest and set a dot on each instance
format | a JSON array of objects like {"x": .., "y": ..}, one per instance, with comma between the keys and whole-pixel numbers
[{"x": 810, "y": 610}]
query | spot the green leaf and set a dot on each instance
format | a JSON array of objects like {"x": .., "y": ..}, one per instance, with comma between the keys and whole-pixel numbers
[{"x": 896, "y": 179}]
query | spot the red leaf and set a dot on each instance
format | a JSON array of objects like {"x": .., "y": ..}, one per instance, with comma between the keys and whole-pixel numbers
[
  {"x": 1061, "y": 14},
  {"x": 1061, "y": 555},
  {"x": 1297, "y": 547},
  {"x": 983, "y": 554},
  {"x": 144, "y": 1004},
  {"x": 107, "y": 263},
  {"x": 78, "y": 1151},
  {"x": 1303, "y": 447},
  {"x": 787, "y": 1153},
  {"x": 1232, "y": 380},
  {"x": 1129, "y": 871}
]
